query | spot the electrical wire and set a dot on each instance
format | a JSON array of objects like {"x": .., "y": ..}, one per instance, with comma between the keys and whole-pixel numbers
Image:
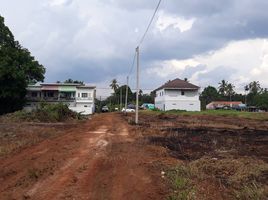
[
  {"x": 150, "y": 23},
  {"x": 133, "y": 63}
]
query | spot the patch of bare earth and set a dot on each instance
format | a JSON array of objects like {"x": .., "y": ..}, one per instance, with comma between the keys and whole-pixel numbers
[{"x": 100, "y": 159}]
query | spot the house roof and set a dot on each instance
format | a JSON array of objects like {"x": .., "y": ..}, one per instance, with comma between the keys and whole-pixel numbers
[
  {"x": 178, "y": 84},
  {"x": 58, "y": 86},
  {"x": 225, "y": 103}
]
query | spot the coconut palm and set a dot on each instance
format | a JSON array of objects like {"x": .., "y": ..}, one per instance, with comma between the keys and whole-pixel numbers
[
  {"x": 254, "y": 87},
  {"x": 223, "y": 87},
  {"x": 114, "y": 85},
  {"x": 230, "y": 90}
]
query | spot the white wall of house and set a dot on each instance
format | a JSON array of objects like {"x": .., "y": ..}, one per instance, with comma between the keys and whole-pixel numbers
[
  {"x": 82, "y": 103},
  {"x": 169, "y": 99}
]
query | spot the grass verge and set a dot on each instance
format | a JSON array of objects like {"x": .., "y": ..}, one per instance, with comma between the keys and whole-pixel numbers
[{"x": 223, "y": 113}]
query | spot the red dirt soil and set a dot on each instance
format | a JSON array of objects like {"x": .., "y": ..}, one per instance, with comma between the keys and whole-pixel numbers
[{"x": 95, "y": 160}]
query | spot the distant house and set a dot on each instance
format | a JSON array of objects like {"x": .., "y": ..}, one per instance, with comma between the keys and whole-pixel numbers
[
  {"x": 78, "y": 97},
  {"x": 224, "y": 104},
  {"x": 179, "y": 95}
]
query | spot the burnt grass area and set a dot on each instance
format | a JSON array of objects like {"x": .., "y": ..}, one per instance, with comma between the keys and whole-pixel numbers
[
  {"x": 191, "y": 144},
  {"x": 209, "y": 157}
]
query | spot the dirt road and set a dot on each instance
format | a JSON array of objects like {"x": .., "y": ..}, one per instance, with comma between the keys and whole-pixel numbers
[{"x": 100, "y": 159}]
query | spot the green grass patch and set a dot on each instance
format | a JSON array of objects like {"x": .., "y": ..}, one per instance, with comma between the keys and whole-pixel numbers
[
  {"x": 222, "y": 113},
  {"x": 181, "y": 184}
]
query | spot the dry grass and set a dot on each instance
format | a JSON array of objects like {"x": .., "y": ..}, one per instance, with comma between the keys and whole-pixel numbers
[
  {"x": 244, "y": 178},
  {"x": 14, "y": 137}
]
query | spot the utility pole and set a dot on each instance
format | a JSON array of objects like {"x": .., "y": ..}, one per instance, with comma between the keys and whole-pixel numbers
[
  {"x": 138, "y": 89},
  {"x": 120, "y": 98},
  {"x": 100, "y": 105},
  {"x": 126, "y": 95}
]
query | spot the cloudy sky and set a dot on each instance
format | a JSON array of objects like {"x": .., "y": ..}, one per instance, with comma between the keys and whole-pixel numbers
[{"x": 94, "y": 41}]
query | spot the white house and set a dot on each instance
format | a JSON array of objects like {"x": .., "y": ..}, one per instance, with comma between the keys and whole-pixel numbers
[
  {"x": 78, "y": 97},
  {"x": 177, "y": 95}
]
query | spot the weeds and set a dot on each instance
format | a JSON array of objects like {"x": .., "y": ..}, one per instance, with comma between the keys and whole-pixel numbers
[
  {"x": 251, "y": 191},
  {"x": 181, "y": 183},
  {"x": 33, "y": 174}
]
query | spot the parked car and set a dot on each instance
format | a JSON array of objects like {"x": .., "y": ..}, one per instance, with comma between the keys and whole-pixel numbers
[
  {"x": 147, "y": 106},
  {"x": 105, "y": 109},
  {"x": 128, "y": 110},
  {"x": 131, "y": 106}
]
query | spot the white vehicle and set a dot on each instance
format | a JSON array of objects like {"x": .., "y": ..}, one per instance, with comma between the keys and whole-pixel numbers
[{"x": 128, "y": 110}]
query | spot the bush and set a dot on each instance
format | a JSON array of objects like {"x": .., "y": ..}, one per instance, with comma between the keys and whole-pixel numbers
[
  {"x": 54, "y": 112},
  {"x": 46, "y": 113}
]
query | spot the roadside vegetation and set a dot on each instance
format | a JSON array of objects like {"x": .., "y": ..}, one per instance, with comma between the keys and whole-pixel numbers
[
  {"x": 242, "y": 178},
  {"x": 222, "y": 113},
  {"x": 44, "y": 113}
]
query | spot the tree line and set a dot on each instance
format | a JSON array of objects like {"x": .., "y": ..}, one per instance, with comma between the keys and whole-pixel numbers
[
  {"x": 254, "y": 94},
  {"x": 119, "y": 95}
]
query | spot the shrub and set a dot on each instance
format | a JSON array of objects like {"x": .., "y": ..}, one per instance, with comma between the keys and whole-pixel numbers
[{"x": 46, "y": 113}]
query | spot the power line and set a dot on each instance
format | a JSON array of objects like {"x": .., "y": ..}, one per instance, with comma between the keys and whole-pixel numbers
[
  {"x": 133, "y": 63},
  {"x": 142, "y": 39},
  {"x": 150, "y": 23}
]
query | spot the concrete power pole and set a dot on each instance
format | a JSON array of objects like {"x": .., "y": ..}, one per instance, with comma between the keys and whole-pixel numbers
[
  {"x": 120, "y": 98},
  {"x": 126, "y": 95},
  {"x": 138, "y": 89}
]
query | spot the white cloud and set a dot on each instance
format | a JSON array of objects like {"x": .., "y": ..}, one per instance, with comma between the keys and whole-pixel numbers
[
  {"x": 239, "y": 62},
  {"x": 59, "y": 2},
  {"x": 169, "y": 67},
  {"x": 164, "y": 21}
]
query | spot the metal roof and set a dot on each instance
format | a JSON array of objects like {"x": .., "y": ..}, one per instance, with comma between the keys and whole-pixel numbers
[{"x": 178, "y": 84}]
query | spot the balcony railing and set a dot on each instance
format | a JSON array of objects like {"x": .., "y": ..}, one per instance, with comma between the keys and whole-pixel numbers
[{"x": 84, "y": 98}]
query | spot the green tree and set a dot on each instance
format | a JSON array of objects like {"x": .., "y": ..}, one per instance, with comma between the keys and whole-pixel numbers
[
  {"x": 17, "y": 69},
  {"x": 254, "y": 87},
  {"x": 208, "y": 95},
  {"x": 230, "y": 91},
  {"x": 114, "y": 85},
  {"x": 223, "y": 87},
  {"x": 74, "y": 81},
  {"x": 261, "y": 100}
]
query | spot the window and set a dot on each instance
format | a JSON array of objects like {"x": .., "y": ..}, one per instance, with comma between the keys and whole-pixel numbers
[
  {"x": 84, "y": 95},
  {"x": 182, "y": 92},
  {"x": 49, "y": 94},
  {"x": 78, "y": 94},
  {"x": 34, "y": 94}
]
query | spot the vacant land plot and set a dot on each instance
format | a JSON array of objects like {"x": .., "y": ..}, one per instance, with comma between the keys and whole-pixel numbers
[
  {"x": 223, "y": 157},
  {"x": 167, "y": 156}
]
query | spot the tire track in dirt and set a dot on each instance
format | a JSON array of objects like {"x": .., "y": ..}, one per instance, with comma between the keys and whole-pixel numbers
[
  {"x": 98, "y": 160},
  {"x": 93, "y": 146}
]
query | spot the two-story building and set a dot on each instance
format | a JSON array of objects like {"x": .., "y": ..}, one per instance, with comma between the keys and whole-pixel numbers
[
  {"x": 178, "y": 95},
  {"x": 78, "y": 97}
]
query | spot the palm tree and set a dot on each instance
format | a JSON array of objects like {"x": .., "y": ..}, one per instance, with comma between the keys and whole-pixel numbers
[
  {"x": 254, "y": 87},
  {"x": 230, "y": 90},
  {"x": 246, "y": 90},
  {"x": 223, "y": 87},
  {"x": 114, "y": 85}
]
